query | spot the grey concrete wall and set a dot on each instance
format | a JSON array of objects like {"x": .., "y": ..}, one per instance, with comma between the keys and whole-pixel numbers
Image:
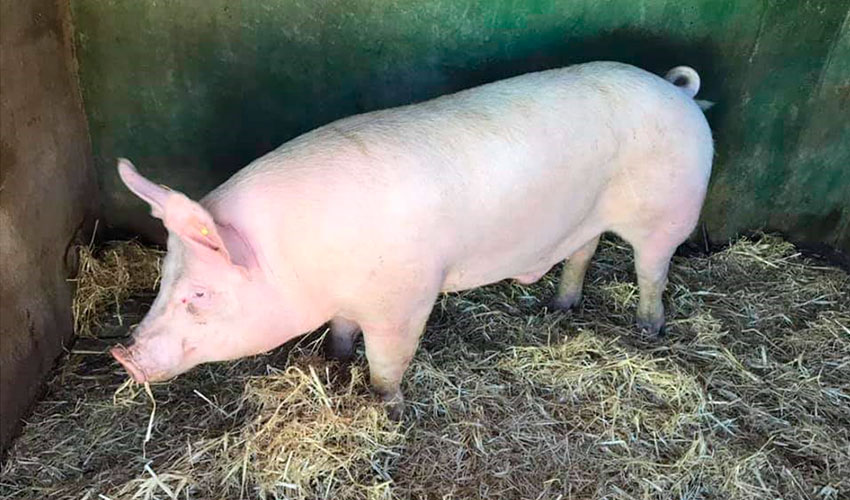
[{"x": 47, "y": 196}]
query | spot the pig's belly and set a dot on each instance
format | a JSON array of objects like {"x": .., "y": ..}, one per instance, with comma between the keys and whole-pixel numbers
[{"x": 523, "y": 262}]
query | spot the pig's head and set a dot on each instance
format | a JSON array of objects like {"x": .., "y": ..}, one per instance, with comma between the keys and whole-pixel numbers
[{"x": 198, "y": 315}]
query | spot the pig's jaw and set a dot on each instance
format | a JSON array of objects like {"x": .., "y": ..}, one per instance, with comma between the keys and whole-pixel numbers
[{"x": 274, "y": 319}]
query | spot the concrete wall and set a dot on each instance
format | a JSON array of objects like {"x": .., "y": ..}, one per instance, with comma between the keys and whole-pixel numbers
[
  {"x": 47, "y": 193},
  {"x": 193, "y": 93}
]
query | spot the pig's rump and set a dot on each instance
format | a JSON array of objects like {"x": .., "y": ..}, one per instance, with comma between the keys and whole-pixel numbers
[{"x": 501, "y": 181}]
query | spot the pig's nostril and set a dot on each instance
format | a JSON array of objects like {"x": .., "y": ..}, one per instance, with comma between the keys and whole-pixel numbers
[{"x": 121, "y": 355}]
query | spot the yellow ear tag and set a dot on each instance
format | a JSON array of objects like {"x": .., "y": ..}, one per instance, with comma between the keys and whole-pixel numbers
[{"x": 204, "y": 230}]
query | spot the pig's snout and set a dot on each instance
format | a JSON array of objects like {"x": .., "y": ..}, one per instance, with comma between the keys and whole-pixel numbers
[{"x": 125, "y": 357}]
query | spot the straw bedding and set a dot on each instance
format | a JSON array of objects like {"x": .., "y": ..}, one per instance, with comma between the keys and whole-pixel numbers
[{"x": 746, "y": 397}]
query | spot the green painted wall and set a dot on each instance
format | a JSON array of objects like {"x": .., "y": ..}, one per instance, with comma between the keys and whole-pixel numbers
[{"x": 192, "y": 91}]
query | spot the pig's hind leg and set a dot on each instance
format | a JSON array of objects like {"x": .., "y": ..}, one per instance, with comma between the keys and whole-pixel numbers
[
  {"x": 654, "y": 247},
  {"x": 572, "y": 276},
  {"x": 652, "y": 262},
  {"x": 655, "y": 212}
]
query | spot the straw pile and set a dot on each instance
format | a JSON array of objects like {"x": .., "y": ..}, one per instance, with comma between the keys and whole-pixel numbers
[
  {"x": 107, "y": 280},
  {"x": 746, "y": 397}
]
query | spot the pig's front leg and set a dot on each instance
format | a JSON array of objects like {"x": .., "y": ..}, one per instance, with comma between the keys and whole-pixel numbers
[{"x": 390, "y": 346}]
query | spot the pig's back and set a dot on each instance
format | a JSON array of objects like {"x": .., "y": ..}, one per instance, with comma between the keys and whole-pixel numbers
[{"x": 482, "y": 185}]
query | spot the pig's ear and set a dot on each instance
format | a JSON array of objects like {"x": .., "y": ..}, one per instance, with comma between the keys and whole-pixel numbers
[
  {"x": 154, "y": 194},
  {"x": 181, "y": 216},
  {"x": 195, "y": 227}
]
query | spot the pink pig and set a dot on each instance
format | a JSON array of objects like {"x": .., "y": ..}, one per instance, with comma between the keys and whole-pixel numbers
[{"x": 365, "y": 221}]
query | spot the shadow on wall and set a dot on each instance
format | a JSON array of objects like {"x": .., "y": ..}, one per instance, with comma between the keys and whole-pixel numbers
[
  {"x": 641, "y": 48},
  {"x": 263, "y": 121}
]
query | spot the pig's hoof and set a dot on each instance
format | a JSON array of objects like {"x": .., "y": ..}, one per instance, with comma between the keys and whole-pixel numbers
[
  {"x": 394, "y": 406},
  {"x": 395, "y": 411},
  {"x": 651, "y": 328},
  {"x": 566, "y": 303}
]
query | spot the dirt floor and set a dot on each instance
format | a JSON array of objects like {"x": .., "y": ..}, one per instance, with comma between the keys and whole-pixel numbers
[{"x": 746, "y": 397}]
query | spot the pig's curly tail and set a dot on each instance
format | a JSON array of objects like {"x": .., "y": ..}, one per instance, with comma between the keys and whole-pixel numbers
[
  {"x": 684, "y": 77},
  {"x": 687, "y": 80}
]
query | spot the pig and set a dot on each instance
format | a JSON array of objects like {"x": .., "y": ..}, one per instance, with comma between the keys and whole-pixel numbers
[{"x": 363, "y": 222}]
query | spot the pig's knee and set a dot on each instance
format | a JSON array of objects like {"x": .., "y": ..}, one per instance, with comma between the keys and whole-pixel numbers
[{"x": 386, "y": 370}]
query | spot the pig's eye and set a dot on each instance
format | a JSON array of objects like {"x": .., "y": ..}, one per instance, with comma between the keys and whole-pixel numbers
[{"x": 198, "y": 299}]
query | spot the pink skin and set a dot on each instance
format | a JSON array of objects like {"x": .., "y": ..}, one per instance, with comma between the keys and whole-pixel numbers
[
  {"x": 195, "y": 321},
  {"x": 365, "y": 221},
  {"x": 213, "y": 305}
]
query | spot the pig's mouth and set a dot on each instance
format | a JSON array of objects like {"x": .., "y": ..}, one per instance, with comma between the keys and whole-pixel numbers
[{"x": 125, "y": 357}]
